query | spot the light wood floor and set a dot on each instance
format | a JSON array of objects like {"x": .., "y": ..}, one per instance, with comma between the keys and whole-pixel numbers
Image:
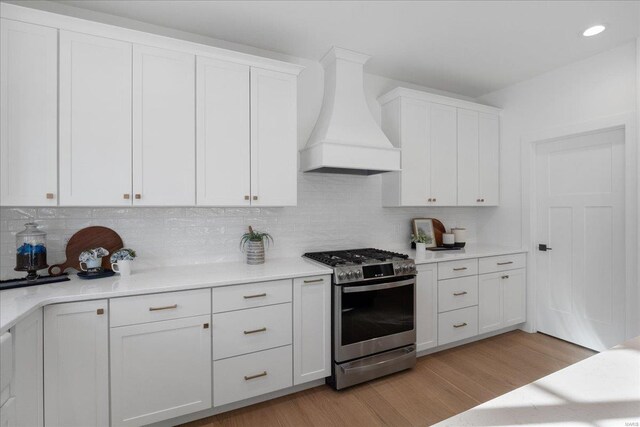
[{"x": 441, "y": 385}]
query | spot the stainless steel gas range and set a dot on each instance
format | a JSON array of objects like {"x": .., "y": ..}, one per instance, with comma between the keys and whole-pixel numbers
[{"x": 373, "y": 302}]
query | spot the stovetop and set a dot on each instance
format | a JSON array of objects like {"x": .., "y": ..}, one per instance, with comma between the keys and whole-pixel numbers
[{"x": 355, "y": 257}]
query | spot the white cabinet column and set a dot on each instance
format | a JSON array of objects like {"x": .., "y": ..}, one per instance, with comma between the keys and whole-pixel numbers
[
  {"x": 426, "y": 306},
  {"x": 28, "y": 114},
  {"x": 76, "y": 364},
  {"x": 28, "y": 363},
  {"x": 442, "y": 141}
]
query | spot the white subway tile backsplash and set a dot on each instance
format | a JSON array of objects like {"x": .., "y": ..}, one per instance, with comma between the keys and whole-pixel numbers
[{"x": 333, "y": 212}]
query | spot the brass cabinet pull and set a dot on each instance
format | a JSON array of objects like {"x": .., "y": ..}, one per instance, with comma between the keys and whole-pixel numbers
[
  {"x": 255, "y": 197},
  {"x": 100, "y": 311},
  {"x": 250, "y": 377},
  {"x": 168, "y": 307},
  {"x": 460, "y": 325},
  {"x": 264, "y": 294},
  {"x": 314, "y": 281},
  {"x": 434, "y": 199},
  {"x": 429, "y": 199},
  {"x": 505, "y": 263},
  {"x": 126, "y": 196},
  {"x": 247, "y": 197},
  {"x": 457, "y": 294},
  {"x": 482, "y": 200},
  {"x": 255, "y": 331},
  {"x": 505, "y": 277},
  {"x": 460, "y": 269},
  {"x": 138, "y": 196},
  {"x": 478, "y": 200},
  {"x": 205, "y": 326},
  {"x": 49, "y": 195}
]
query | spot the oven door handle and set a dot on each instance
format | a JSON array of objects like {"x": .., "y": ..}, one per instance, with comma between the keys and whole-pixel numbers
[{"x": 381, "y": 286}]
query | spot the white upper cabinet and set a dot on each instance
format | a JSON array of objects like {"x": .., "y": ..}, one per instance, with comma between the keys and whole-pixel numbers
[
  {"x": 224, "y": 166},
  {"x": 478, "y": 158},
  {"x": 273, "y": 138},
  {"x": 450, "y": 155},
  {"x": 95, "y": 121},
  {"x": 164, "y": 148},
  {"x": 28, "y": 114}
]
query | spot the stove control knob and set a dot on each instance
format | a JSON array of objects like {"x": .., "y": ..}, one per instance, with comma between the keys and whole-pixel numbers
[
  {"x": 398, "y": 270},
  {"x": 358, "y": 274},
  {"x": 350, "y": 275},
  {"x": 342, "y": 276}
]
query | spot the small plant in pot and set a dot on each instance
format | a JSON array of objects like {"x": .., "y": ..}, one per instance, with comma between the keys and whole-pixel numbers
[
  {"x": 253, "y": 243},
  {"x": 421, "y": 240}
]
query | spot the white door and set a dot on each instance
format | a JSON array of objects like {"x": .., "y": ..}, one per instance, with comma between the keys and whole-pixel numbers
[
  {"x": 427, "y": 306},
  {"x": 28, "y": 114},
  {"x": 160, "y": 370},
  {"x": 416, "y": 152},
  {"x": 28, "y": 381},
  {"x": 311, "y": 328},
  {"x": 224, "y": 162},
  {"x": 274, "y": 153},
  {"x": 443, "y": 155},
  {"x": 514, "y": 297},
  {"x": 164, "y": 146},
  {"x": 580, "y": 217},
  {"x": 76, "y": 364},
  {"x": 490, "y": 302},
  {"x": 95, "y": 121}
]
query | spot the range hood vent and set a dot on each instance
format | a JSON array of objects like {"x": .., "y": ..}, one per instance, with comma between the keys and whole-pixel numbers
[{"x": 346, "y": 138}]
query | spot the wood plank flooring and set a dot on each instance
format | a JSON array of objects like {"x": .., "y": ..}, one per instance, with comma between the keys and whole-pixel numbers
[{"x": 441, "y": 385}]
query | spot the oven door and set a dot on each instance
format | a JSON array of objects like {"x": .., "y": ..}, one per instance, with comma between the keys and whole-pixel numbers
[{"x": 373, "y": 317}]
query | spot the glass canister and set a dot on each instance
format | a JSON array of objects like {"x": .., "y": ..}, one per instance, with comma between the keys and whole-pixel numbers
[{"x": 31, "y": 250}]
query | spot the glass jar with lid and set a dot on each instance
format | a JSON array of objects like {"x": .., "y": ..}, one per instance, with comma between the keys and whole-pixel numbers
[{"x": 31, "y": 250}]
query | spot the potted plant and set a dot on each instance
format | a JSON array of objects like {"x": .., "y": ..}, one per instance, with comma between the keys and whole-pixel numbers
[
  {"x": 421, "y": 240},
  {"x": 252, "y": 243},
  {"x": 121, "y": 261}
]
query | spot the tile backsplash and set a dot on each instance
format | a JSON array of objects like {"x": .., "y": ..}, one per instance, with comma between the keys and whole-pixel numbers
[{"x": 333, "y": 212}]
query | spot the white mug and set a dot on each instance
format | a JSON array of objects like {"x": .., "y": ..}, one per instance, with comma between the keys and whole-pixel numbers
[
  {"x": 448, "y": 239},
  {"x": 123, "y": 267},
  {"x": 92, "y": 264}
]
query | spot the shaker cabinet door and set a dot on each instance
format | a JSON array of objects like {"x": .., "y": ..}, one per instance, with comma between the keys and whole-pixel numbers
[
  {"x": 442, "y": 141},
  {"x": 468, "y": 189},
  {"x": 224, "y": 167},
  {"x": 164, "y": 146},
  {"x": 28, "y": 114},
  {"x": 426, "y": 306},
  {"x": 274, "y": 161},
  {"x": 95, "y": 121},
  {"x": 490, "y": 302},
  {"x": 489, "y": 159},
  {"x": 416, "y": 153}
]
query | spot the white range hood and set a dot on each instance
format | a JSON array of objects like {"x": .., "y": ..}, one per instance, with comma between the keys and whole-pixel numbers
[{"x": 346, "y": 138}]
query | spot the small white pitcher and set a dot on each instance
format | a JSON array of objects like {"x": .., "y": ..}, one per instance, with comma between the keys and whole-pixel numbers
[{"x": 123, "y": 267}]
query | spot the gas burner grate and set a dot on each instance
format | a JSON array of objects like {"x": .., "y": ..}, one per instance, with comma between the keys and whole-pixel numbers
[{"x": 354, "y": 256}]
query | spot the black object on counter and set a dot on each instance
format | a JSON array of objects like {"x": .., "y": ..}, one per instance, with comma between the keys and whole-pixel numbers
[
  {"x": 24, "y": 282},
  {"x": 444, "y": 248},
  {"x": 88, "y": 275}
]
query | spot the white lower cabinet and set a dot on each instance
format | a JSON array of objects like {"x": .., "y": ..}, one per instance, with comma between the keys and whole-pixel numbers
[
  {"x": 502, "y": 299},
  {"x": 28, "y": 382},
  {"x": 311, "y": 328},
  {"x": 76, "y": 364},
  {"x": 457, "y": 325},
  {"x": 490, "y": 301},
  {"x": 426, "y": 306},
  {"x": 251, "y": 375},
  {"x": 160, "y": 370}
]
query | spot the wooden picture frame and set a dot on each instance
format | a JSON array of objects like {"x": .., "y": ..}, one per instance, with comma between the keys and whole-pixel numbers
[{"x": 425, "y": 225}]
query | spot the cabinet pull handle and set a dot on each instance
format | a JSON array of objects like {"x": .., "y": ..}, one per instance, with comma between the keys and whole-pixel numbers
[
  {"x": 505, "y": 263},
  {"x": 434, "y": 200},
  {"x": 314, "y": 281},
  {"x": 126, "y": 196},
  {"x": 49, "y": 195},
  {"x": 255, "y": 331},
  {"x": 457, "y": 294},
  {"x": 478, "y": 200},
  {"x": 250, "y": 377},
  {"x": 255, "y": 197},
  {"x": 264, "y": 294},
  {"x": 138, "y": 196},
  {"x": 460, "y": 269},
  {"x": 460, "y": 325},
  {"x": 482, "y": 200},
  {"x": 429, "y": 199},
  {"x": 100, "y": 311},
  {"x": 505, "y": 277},
  {"x": 247, "y": 197},
  {"x": 205, "y": 326},
  {"x": 168, "y": 307}
]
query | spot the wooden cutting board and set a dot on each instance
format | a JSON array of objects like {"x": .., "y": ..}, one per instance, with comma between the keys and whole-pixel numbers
[
  {"x": 438, "y": 230},
  {"x": 88, "y": 238}
]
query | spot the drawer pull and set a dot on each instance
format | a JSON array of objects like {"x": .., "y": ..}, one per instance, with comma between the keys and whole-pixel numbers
[
  {"x": 168, "y": 307},
  {"x": 255, "y": 296},
  {"x": 460, "y": 325},
  {"x": 505, "y": 263},
  {"x": 100, "y": 311},
  {"x": 255, "y": 331},
  {"x": 205, "y": 326},
  {"x": 505, "y": 277},
  {"x": 250, "y": 377},
  {"x": 460, "y": 269},
  {"x": 457, "y": 294},
  {"x": 314, "y": 281}
]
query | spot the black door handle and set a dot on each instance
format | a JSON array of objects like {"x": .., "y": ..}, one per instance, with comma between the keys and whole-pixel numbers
[{"x": 542, "y": 247}]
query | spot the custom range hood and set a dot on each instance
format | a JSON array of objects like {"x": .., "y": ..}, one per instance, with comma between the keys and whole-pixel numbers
[{"x": 346, "y": 138}]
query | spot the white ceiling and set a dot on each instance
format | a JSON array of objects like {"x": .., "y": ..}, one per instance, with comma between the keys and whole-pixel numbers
[{"x": 470, "y": 48}]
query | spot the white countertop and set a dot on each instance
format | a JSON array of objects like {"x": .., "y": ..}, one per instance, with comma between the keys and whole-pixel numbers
[
  {"x": 603, "y": 390},
  {"x": 15, "y": 304},
  {"x": 469, "y": 251}
]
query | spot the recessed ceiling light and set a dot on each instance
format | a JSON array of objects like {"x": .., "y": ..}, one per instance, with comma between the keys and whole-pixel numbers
[{"x": 592, "y": 31}]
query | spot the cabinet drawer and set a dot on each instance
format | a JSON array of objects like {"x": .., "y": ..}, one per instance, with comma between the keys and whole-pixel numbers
[
  {"x": 6, "y": 366},
  {"x": 502, "y": 263},
  {"x": 247, "y": 331},
  {"x": 229, "y": 298},
  {"x": 452, "y": 269},
  {"x": 457, "y": 293},
  {"x": 164, "y": 306},
  {"x": 242, "y": 377},
  {"x": 457, "y": 325}
]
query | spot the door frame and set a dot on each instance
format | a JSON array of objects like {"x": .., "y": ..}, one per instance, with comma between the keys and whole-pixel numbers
[{"x": 529, "y": 143}]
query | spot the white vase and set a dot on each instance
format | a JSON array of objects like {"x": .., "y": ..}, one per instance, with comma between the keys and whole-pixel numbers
[
  {"x": 421, "y": 247},
  {"x": 255, "y": 252}
]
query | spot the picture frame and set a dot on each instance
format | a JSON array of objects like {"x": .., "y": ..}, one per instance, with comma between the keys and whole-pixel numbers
[{"x": 424, "y": 225}]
